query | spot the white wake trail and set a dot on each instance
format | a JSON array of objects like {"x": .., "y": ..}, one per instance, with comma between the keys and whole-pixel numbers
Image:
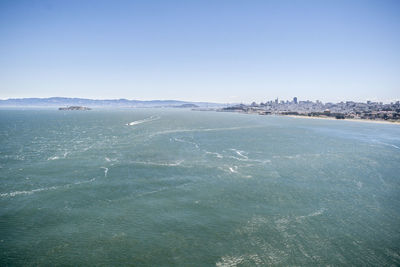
[
  {"x": 149, "y": 119},
  {"x": 16, "y": 193}
]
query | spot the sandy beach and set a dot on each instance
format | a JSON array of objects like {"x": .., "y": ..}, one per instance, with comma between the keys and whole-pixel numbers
[{"x": 328, "y": 118}]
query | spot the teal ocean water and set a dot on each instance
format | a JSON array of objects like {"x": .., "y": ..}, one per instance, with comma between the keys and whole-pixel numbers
[{"x": 160, "y": 187}]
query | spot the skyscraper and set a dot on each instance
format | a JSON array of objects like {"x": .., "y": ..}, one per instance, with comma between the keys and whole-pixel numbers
[{"x": 295, "y": 100}]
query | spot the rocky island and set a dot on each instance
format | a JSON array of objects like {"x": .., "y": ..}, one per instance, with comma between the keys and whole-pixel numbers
[{"x": 74, "y": 108}]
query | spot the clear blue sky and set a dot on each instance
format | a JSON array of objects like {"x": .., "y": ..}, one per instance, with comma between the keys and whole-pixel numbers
[{"x": 221, "y": 51}]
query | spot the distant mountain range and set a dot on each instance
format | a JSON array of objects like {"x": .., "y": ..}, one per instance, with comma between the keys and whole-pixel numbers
[{"x": 65, "y": 101}]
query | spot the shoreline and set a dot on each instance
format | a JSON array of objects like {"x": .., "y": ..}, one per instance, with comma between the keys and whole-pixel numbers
[{"x": 355, "y": 120}]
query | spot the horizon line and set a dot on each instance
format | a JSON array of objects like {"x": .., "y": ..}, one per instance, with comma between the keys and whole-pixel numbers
[{"x": 197, "y": 101}]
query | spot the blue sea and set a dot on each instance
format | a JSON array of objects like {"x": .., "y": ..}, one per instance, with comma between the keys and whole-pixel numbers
[{"x": 172, "y": 187}]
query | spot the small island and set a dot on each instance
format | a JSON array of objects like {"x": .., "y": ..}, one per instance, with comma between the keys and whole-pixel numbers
[{"x": 74, "y": 108}]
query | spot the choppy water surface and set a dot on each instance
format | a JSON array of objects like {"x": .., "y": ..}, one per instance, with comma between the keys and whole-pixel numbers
[{"x": 156, "y": 187}]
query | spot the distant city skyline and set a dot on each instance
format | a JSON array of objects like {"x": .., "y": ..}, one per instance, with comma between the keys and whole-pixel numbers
[{"x": 223, "y": 52}]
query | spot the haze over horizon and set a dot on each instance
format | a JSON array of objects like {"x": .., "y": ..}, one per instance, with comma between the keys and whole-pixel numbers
[
  {"x": 195, "y": 101},
  {"x": 225, "y": 52}
]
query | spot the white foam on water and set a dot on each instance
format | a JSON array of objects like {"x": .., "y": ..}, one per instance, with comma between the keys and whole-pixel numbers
[
  {"x": 267, "y": 254},
  {"x": 386, "y": 144},
  {"x": 184, "y": 141},
  {"x": 233, "y": 261},
  {"x": 260, "y": 161},
  {"x": 152, "y": 192},
  {"x": 282, "y": 224},
  {"x": 297, "y": 156},
  {"x": 160, "y": 190},
  {"x": 110, "y": 160},
  {"x": 233, "y": 169},
  {"x": 16, "y": 193},
  {"x": 292, "y": 157},
  {"x": 105, "y": 171},
  {"x": 83, "y": 182},
  {"x": 230, "y": 261},
  {"x": 214, "y": 153},
  {"x": 316, "y": 213},
  {"x": 239, "y": 159},
  {"x": 379, "y": 175},
  {"x": 176, "y": 163},
  {"x": 251, "y": 160},
  {"x": 240, "y": 153},
  {"x": 243, "y": 157},
  {"x": 149, "y": 119},
  {"x": 201, "y": 130},
  {"x": 359, "y": 184},
  {"x": 65, "y": 154},
  {"x": 87, "y": 148},
  {"x": 171, "y": 164},
  {"x": 119, "y": 235},
  {"x": 253, "y": 225}
]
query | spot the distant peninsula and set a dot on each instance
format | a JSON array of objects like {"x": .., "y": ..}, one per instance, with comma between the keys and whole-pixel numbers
[
  {"x": 369, "y": 111},
  {"x": 187, "y": 106},
  {"x": 74, "y": 108},
  {"x": 103, "y": 103}
]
